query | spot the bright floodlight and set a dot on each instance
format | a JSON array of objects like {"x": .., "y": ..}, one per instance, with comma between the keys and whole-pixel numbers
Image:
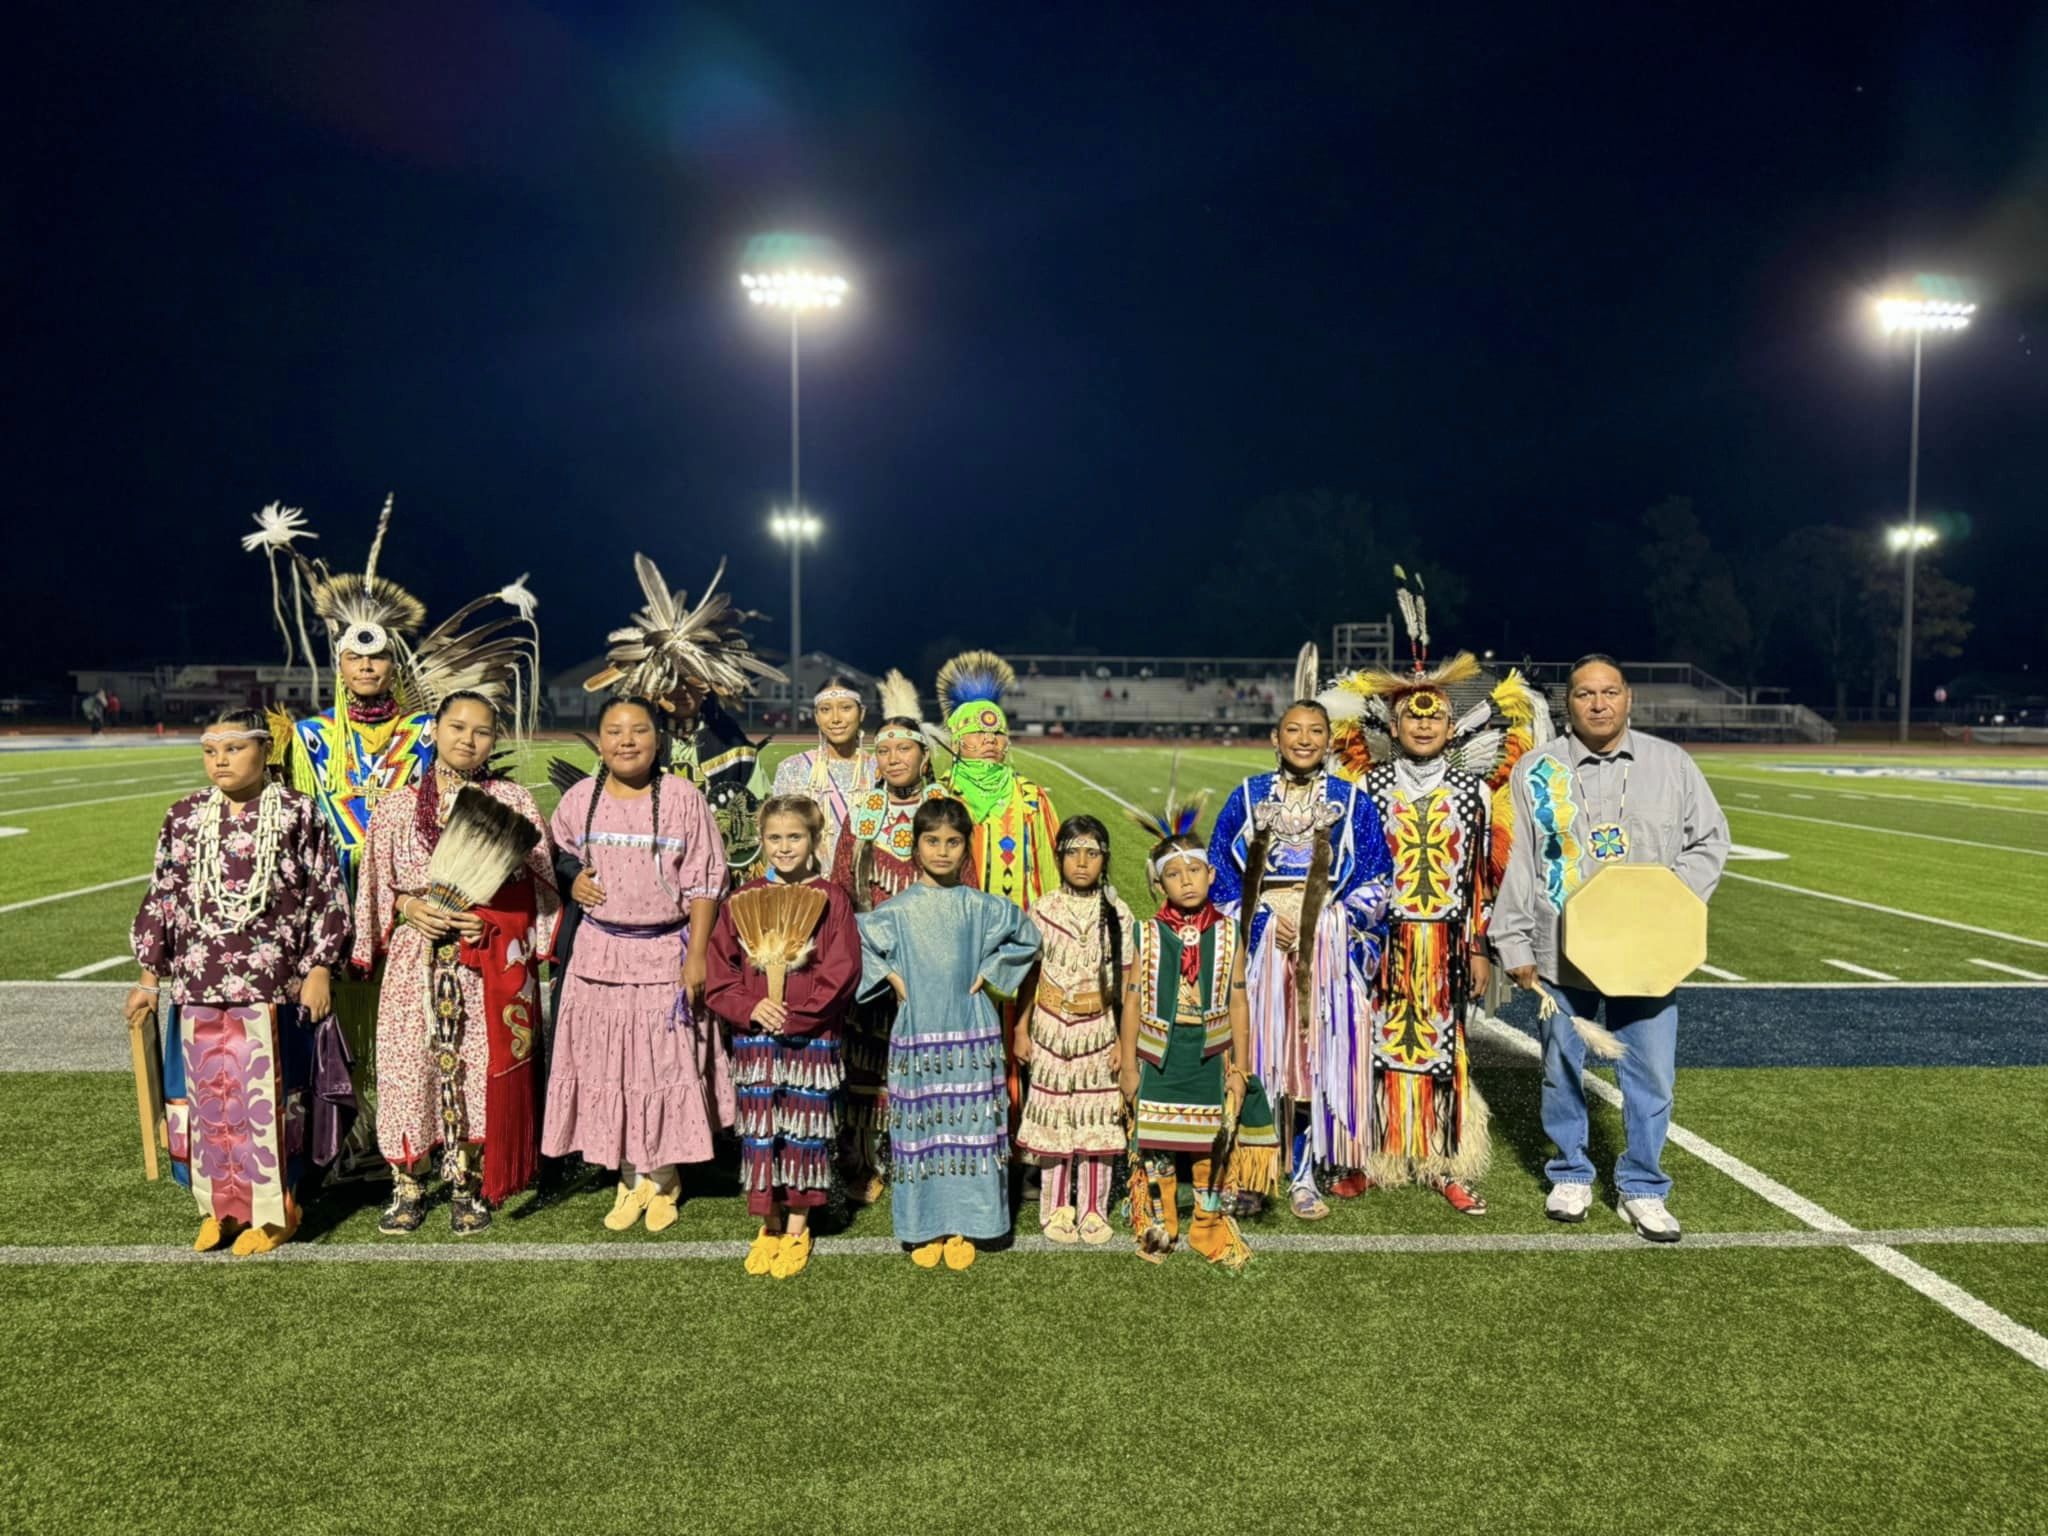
[
  {"x": 795, "y": 288},
  {"x": 795, "y": 527},
  {"x": 1923, "y": 314},
  {"x": 1913, "y": 536}
]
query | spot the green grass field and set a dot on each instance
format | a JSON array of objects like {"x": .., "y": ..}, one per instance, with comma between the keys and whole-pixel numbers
[{"x": 1397, "y": 1365}]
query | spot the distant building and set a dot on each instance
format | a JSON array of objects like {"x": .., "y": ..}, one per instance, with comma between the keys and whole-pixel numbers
[{"x": 177, "y": 695}]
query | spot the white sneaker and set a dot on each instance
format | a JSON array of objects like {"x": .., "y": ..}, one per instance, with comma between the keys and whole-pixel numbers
[
  {"x": 1652, "y": 1222},
  {"x": 1568, "y": 1202}
]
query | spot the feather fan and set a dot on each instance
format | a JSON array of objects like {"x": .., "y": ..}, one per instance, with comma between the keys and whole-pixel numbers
[
  {"x": 775, "y": 924},
  {"x": 485, "y": 844}
]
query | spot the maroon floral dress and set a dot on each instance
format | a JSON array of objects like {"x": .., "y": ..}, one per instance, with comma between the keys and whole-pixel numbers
[{"x": 237, "y": 1052}]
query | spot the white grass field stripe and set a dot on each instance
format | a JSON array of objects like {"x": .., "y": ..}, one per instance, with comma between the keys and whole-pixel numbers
[
  {"x": 1078, "y": 777},
  {"x": 83, "y": 890},
  {"x": 1857, "y": 794},
  {"x": 1802, "y": 797},
  {"x": 158, "y": 758},
  {"x": 828, "y": 1248},
  {"x": 2017, "y": 1337},
  {"x": 1864, "y": 826},
  {"x": 182, "y": 780},
  {"x": 1871, "y": 906},
  {"x": 73, "y": 805},
  {"x": 2011, "y": 970},
  {"x": 1808, "y": 986},
  {"x": 1860, "y": 970},
  {"x": 97, "y": 966},
  {"x": 1717, "y": 973}
]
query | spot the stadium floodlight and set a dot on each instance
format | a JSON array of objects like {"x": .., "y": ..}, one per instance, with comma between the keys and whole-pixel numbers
[
  {"x": 796, "y": 528},
  {"x": 1918, "y": 535},
  {"x": 798, "y": 275},
  {"x": 1935, "y": 305}
]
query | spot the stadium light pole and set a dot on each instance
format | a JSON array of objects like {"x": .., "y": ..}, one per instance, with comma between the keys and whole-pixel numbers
[
  {"x": 1917, "y": 316},
  {"x": 794, "y": 275},
  {"x": 796, "y": 529}
]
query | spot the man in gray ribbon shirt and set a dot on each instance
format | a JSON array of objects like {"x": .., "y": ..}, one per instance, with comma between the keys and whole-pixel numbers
[{"x": 1603, "y": 792}]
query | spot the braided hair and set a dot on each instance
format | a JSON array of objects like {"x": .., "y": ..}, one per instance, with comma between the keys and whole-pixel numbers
[
  {"x": 1072, "y": 830},
  {"x": 654, "y": 782}
]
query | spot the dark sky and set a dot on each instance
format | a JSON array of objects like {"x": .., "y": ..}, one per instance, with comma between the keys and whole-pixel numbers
[{"x": 1119, "y": 276}]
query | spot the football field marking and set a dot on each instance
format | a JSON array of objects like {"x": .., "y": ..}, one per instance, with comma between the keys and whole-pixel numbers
[
  {"x": 1871, "y": 906},
  {"x": 1860, "y": 970},
  {"x": 1078, "y": 776},
  {"x": 97, "y": 965},
  {"x": 1864, "y": 826},
  {"x": 1717, "y": 973},
  {"x": 2015, "y": 1336},
  {"x": 1896, "y": 799},
  {"x": 2011, "y": 970},
  {"x": 701, "y": 1250},
  {"x": 83, "y": 890},
  {"x": 73, "y": 805}
]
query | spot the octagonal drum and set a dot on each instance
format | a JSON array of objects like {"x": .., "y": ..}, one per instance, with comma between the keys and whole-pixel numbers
[{"x": 1634, "y": 930}]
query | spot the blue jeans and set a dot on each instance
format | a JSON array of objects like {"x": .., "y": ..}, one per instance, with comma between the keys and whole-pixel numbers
[{"x": 1649, "y": 1027}]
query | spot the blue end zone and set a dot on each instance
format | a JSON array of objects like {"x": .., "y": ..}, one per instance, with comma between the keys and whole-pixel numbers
[{"x": 1851, "y": 1026}]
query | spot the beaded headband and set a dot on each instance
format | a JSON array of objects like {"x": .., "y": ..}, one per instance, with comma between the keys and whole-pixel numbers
[
  {"x": 1199, "y": 855},
  {"x": 1080, "y": 845},
  {"x": 229, "y": 733},
  {"x": 898, "y": 733},
  {"x": 836, "y": 694}
]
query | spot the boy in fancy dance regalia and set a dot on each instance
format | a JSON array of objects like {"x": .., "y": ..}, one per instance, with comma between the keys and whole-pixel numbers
[{"x": 377, "y": 736}]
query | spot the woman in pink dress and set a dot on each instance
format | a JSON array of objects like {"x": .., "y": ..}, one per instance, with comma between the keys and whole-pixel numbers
[{"x": 641, "y": 1077}]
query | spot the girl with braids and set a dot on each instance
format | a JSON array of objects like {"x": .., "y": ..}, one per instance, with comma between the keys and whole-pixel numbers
[
  {"x": 875, "y": 859},
  {"x": 493, "y": 951},
  {"x": 1302, "y": 869},
  {"x": 244, "y": 922},
  {"x": 640, "y": 1079},
  {"x": 1072, "y": 1125},
  {"x": 947, "y": 951},
  {"x": 786, "y": 1048}
]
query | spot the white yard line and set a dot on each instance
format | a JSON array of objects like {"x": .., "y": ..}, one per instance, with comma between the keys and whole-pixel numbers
[
  {"x": 1078, "y": 777},
  {"x": 1988, "y": 1320},
  {"x": 1717, "y": 973},
  {"x": 1871, "y": 906},
  {"x": 2011, "y": 970},
  {"x": 1857, "y": 794},
  {"x": 1861, "y": 826},
  {"x": 182, "y": 779},
  {"x": 1843, "y": 986},
  {"x": 73, "y": 1256},
  {"x": 97, "y": 965},
  {"x": 83, "y": 890},
  {"x": 1860, "y": 970},
  {"x": 73, "y": 805},
  {"x": 159, "y": 762},
  {"x": 1802, "y": 797}
]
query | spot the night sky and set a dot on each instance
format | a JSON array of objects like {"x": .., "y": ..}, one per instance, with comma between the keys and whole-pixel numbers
[{"x": 1119, "y": 276}]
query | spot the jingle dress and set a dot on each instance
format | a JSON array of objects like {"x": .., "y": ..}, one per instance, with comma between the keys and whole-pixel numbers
[
  {"x": 238, "y": 1052},
  {"x": 636, "y": 1076},
  {"x": 787, "y": 1082},
  {"x": 499, "y": 982},
  {"x": 1073, "y": 1105},
  {"x": 948, "y": 1110},
  {"x": 874, "y": 861}
]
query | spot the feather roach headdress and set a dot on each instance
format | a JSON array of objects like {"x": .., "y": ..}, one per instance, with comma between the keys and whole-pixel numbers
[
  {"x": 1364, "y": 705},
  {"x": 1172, "y": 822},
  {"x": 368, "y": 614},
  {"x": 678, "y": 655},
  {"x": 971, "y": 688}
]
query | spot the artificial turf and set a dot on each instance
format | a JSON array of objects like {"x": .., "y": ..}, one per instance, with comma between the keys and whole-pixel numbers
[{"x": 1639, "y": 1391}]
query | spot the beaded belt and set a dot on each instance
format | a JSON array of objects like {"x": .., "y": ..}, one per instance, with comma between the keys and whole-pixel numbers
[{"x": 1078, "y": 1002}]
